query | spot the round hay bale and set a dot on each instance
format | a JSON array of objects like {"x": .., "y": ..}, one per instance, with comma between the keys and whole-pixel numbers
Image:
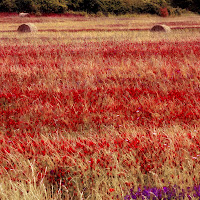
[
  {"x": 24, "y": 15},
  {"x": 27, "y": 28},
  {"x": 160, "y": 28}
]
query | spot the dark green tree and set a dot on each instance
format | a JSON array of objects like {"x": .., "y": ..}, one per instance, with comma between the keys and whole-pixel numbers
[
  {"x": 52, "y": 6},
  {"x": 183, "y": 3},
  {"x": 92, "y": 6},
  {"x": 27, "y": 6},
  {"x": 192, "y": 5},
  {"x": 196, "y": 6},
  {"x": 7, "y": 5},
  {"x": 75, "y": 5}
]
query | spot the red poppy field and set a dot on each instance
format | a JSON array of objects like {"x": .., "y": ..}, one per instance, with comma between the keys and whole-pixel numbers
[{"x": 92, "y": 119}]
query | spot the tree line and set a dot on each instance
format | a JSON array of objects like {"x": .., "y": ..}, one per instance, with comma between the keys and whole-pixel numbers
[{"x": 105, "y": 7}]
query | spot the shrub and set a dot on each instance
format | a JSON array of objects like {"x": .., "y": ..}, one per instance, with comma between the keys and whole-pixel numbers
[
  {"x": 26, "y": 6},
  {"x": 151, "y": 8},
  {"x": 192, "y": 5},
  {"x": 7, "y": 5},
  {"x": 164, "y": 12},
  {"x": 175, "y": 11},
  {"x": 75, "y": 5},
  {"x": 52, "y": 6}
]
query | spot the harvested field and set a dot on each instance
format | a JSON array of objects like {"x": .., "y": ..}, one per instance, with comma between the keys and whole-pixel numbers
[{"x": 94, "y": 23}]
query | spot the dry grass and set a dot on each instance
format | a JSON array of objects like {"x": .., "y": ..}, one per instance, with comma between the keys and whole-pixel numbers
[
  {"x": 64, "y": 23},
  {"x": 87, "y": 36}
]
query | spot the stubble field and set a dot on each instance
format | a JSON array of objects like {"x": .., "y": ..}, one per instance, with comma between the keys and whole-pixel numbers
[{"x": 99, "y": 108}]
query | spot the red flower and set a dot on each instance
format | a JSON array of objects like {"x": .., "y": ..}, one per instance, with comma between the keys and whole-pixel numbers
[{"x": 111, "y": 190}]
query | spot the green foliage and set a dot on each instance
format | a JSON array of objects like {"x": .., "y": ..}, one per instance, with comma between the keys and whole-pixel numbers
[
  {"x": 52, "y": 6},
  {"x": 193, "y": 5},
  {"x": 43, "y": 6},
  {"x": 151, "y": 8},
  {"x": 175, "y": 11},
  {"x": 117, "y": 6},
  {"x": 26, "y": 6},
  {"x": 105, "y": 7},
  {"x": 75, "y": 5},
  {"x": 92, "y": 6},
  {"x": 7, "y": 5},
  {"x": 183, "y": 3}
]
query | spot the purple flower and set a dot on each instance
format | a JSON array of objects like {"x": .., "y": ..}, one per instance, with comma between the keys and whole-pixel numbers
[
  {"x": 197, "y": 190},
  {"x": 166, "y": 193},
  {"x": 146, "y": 193},
  {"x": 127, "y": 197}
]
